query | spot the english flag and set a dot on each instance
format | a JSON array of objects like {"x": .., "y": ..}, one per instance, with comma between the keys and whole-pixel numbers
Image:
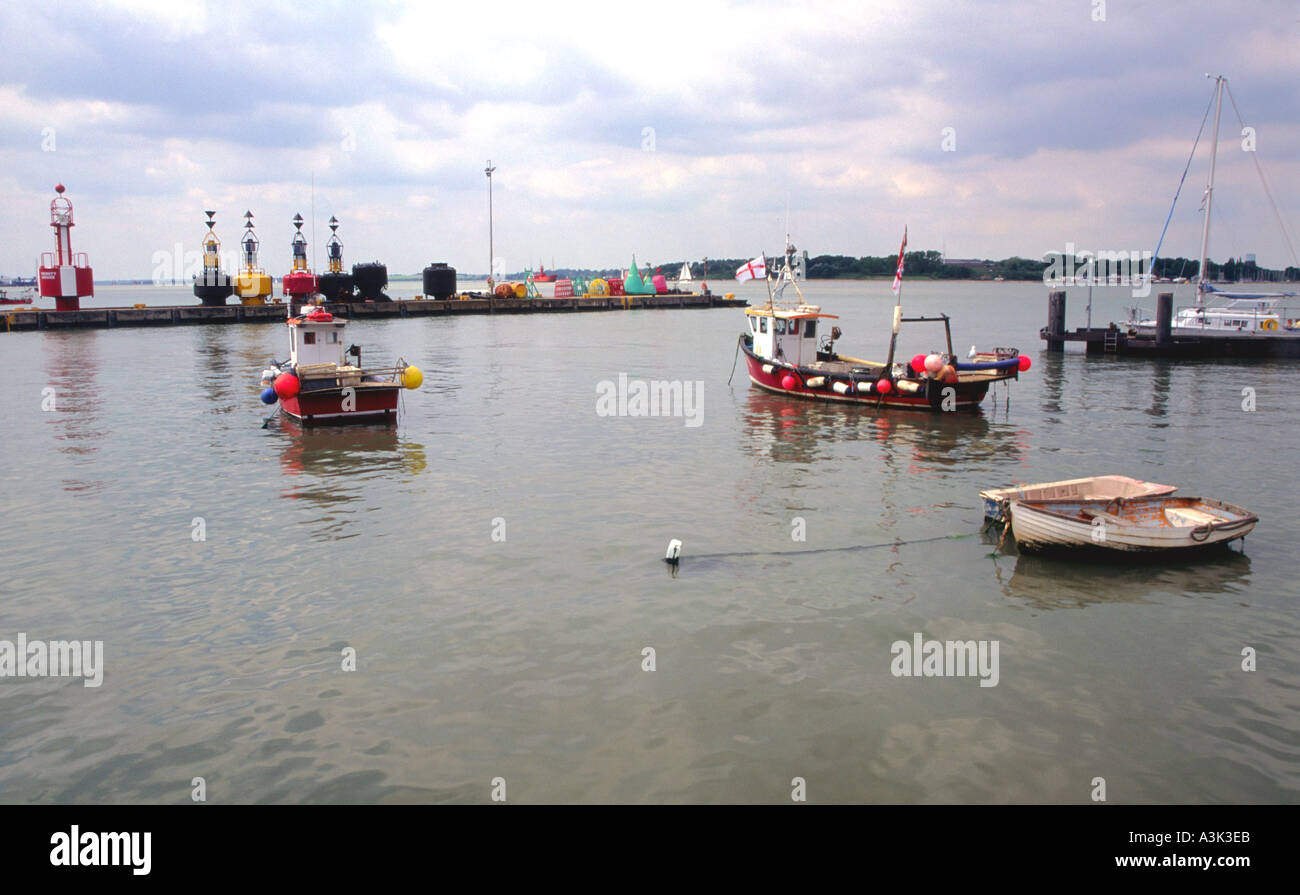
[
  {"x": 754, "y": 270},
  {"x": 898, "y": 274}
]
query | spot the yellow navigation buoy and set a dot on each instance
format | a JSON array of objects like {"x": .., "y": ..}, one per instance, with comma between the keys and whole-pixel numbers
[
  {"x": 598, "y": 287},
  {"x": 412, "y": 377},
  {"x": 521, "y": 291}
]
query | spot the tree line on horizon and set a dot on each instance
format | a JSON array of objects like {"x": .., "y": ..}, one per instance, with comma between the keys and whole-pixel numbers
[{"x": 930, "y": 264}]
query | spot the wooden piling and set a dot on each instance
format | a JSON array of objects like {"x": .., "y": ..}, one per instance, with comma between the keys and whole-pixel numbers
[
  {"x": 1164, "y": 318},
  {"x": 1055, "y": 334}
]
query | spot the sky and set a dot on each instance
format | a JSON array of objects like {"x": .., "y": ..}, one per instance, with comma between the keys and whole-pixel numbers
[{"x": 667, "y": 130}]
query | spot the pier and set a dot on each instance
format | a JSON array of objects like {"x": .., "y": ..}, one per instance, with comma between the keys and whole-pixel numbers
[
  {"x": 27, "y": 319},
  {"x": 1117, "y": 339}
]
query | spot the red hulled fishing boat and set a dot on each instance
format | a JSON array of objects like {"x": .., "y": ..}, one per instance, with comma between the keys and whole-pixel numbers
[
  {"x": 788, "y": 351},
  {"x": 322, "y": 382}
]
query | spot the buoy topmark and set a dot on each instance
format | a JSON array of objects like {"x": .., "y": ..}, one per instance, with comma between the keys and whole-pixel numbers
[{"x": 674, "y": 554}]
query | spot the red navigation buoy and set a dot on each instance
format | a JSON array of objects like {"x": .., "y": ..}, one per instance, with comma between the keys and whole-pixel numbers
[
  {"x": 65, "y": 277},
  {"x": 286, "y": 385}
]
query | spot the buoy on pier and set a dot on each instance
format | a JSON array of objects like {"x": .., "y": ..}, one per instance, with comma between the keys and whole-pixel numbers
[
  {"x": 336, "y": 284},
  {"x": 253, "y": 286},
  {"x": 299, "y": 282},
  {"x": 439, "y": 281},
  {"x": 65, "y": 277},
  {"x": 370, "y": 279},
  {"x": 213, "y": 286}
]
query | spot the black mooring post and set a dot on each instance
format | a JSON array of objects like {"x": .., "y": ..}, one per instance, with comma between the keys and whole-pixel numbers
[
  {"x": 1164, "y": 318},
  {"x": 1056, "y": 321}
]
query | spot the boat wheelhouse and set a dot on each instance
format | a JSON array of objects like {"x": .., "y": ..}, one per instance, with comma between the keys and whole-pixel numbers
[{"x": 323, "y": 381}]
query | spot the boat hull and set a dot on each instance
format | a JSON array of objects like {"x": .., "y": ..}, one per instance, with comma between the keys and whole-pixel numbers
[
  {"x": 769, "y": 376},
  {"x": 365, "y": 403},
  {"x": 1147, "y": 525}
]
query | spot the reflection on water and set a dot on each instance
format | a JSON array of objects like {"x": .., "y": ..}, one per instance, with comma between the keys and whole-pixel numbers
[
  {"x": 1051, "y": 369},
  {"x": 73, "y": 402},
  {"x": 1044, "y": 582},
  {"x": 227, "y": 363},
  {"x": 790, "y": 429},
  {"x": 332, "y": 466}
]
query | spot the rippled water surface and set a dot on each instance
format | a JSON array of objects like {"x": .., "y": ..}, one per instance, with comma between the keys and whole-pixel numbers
[{"x": 522, "y": 658}]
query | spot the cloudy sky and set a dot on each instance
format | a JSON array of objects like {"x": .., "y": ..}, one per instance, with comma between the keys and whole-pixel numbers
[{"x": 669, "y": 129}]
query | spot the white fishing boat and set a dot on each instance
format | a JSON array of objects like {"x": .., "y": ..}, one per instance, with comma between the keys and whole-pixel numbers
[
  {"x": 1247, "y": 317},
  {"x": 1155, "y": 524},
  {"x": 1096, "y": 487}
]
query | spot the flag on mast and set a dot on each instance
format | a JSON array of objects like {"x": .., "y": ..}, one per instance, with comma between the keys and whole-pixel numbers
[
  {"x": 754, "y": 270},
  {"x": 898, "y": 274}
]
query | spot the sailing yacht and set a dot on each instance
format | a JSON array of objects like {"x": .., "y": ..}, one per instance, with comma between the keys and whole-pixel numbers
[{"x": 1253, "y": 317}]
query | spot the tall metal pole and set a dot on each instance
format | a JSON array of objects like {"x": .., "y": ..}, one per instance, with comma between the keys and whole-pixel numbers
[
  {"x": 1209, "y": 190},
  {"x": 491, "y": 249}
]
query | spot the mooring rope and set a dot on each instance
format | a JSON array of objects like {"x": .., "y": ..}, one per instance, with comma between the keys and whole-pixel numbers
[{"x": 750, "y": 553}]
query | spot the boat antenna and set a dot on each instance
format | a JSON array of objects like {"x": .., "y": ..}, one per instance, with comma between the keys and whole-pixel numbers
[
  {"x": 1219, "y": 81},
  {"x": 767, "y": 279},
  {"x": 898, "y": 306}
]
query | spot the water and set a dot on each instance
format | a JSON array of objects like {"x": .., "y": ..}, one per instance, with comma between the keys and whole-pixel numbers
[{"x": 522, "y": 659}]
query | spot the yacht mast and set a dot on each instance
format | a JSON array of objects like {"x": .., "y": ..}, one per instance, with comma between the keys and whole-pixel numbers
[{"x": 1209, "y": 190}]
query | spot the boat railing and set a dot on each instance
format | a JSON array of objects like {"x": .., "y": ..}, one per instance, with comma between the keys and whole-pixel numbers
[{"x": 1210, "y": 317}]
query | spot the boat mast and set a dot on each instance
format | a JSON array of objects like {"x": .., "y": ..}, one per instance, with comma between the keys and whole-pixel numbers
[{"x": 1209, "y": 190}]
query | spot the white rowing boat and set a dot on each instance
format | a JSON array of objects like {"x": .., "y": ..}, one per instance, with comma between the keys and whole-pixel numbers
[
  {"x": 1140, "y": 524},
  {"x": 1097, "y": 487}
]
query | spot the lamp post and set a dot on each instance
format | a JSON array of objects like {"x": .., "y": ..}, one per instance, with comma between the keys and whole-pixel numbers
[{"x": 491, "y": 250}]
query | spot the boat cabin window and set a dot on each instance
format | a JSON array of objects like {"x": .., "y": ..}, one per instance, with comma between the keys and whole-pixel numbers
[
  {"x": 762, "y": 324},
  {"x": 794, "y": 327},
  {"x": 309, "y": 338},
  {"x": 780, "y": 326},
  {"x": 334, "y": 338},
  {"x": 753, "y": 323},
  {"x": 810, "y": 329}
]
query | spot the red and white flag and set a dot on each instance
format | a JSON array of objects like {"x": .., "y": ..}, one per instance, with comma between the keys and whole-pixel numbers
[
  {"x": 754, "y": 270},
  {"x": 898, "y": 274}
]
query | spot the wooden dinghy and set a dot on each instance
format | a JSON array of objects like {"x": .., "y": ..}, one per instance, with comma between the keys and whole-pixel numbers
[
  {"x": 1141, "y": 524},
  {"x": 1097, "y": 487}
]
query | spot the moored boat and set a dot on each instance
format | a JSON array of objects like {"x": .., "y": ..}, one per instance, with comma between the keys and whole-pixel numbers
[
  {"x": 1097, "y": 487},
  {"x": 786, "y": 352},
  {"x": 1152, "y": 524},
  {"x": 24, "y": 297},
  {"x": 319, "y": 384}
]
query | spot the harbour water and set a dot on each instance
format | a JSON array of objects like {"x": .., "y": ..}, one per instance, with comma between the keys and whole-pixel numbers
[{"x": 495, "y": 562}]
